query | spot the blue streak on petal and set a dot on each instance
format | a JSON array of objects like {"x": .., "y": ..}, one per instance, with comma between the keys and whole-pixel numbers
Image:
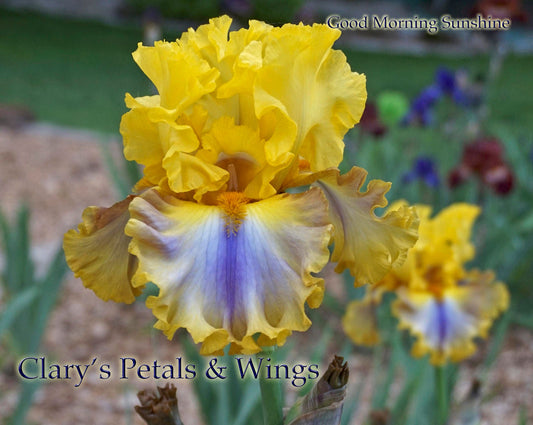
[
  {"x": 229, "y": 272},
  {"x": 231, "y": 282},
  {"x": 245, "y": 260},
  {"x": 442, "y": 325}
]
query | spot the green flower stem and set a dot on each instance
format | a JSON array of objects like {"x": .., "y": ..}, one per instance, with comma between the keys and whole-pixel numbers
[
  {"x": 441, "y": 389},
  {"x": 270, "y": 395}
]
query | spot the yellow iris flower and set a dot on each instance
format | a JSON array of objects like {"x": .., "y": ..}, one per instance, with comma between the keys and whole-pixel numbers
[
  {"x": 240, "y": 118},
  {"x": 441, "y": 303}
]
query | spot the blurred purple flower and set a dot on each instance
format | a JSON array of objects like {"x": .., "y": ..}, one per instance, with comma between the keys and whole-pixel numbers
[
  {"x": 446, "y": 83},
  {"x": 445, "y": 80},
  {"x": 421, "y": 111},
  {"x": 424, "y": 169}
]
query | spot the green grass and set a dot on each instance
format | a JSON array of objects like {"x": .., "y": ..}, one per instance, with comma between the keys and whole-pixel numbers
[
  {"x": 73, "y": 73},
  {"x": 76, "y": 73}
]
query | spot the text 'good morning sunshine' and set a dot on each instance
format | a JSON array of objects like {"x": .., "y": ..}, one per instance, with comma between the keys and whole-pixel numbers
[{"x": 416, "y": 23}]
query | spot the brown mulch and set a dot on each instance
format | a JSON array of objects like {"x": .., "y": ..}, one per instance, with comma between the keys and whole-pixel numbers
[{"x": 58, "y": 172}]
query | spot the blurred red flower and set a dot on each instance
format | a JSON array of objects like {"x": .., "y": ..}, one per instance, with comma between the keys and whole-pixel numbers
[{"x": 484, "y": 158}]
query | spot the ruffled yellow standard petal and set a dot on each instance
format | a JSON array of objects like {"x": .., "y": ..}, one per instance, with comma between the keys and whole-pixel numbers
[
  {"x": 242, "y": 76},
  {"x": 308, "y": 110},
  {"x": 445, "y": 326},
  {"x": 173, "y": 118},
  {"x": 240, "y": 150},
  {"x": 231, "y": 271},
  {"x": 98, "y": 253},
  {"x": 366, "y": 244},
  {"x": 231, "y": 158},
  {"x": 236, "y": 56},
  {"x": 180, "y": 75},
  {"x": 360, "y": 319},
  {"x": 152, "y": 133},
  {"x": 445, "y": 238},
  {"x": 209, "y": 40},
  {"x": 437, "y": 259},
  {"x": 453, "y": 227}
]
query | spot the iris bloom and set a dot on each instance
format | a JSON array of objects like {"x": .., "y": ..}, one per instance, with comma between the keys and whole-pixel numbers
[
  {"x": 425, "y": 170},
  {"x": 445, "y": 84},
  {"x": 438, "y": 301},
  {"x": 484, "y": 158},
  {"x": 237, "y": 122}
]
